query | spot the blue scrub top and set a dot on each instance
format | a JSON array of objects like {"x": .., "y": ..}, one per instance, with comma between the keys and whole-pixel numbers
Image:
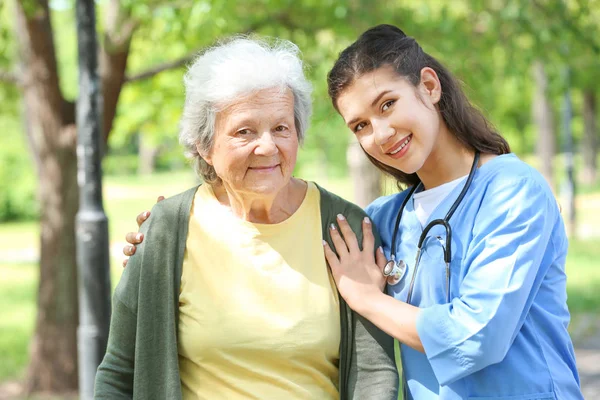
[{"x": 504, "y": 333}]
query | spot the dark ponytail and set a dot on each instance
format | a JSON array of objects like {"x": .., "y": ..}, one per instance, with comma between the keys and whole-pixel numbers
[{"x": 386, "y": 45}]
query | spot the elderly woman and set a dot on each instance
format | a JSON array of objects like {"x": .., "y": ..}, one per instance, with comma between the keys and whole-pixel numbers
[{"x": 230, "y": 296}]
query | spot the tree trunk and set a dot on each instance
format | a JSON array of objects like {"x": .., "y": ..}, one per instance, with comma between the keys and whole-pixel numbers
[
  {"x": 589, "y": 145},
  {"x": 50, "y": 128},
  {"x": 53, "y": 362},
  {"x": 366, "y": 178},
  {"x": 113, "y": 60},
  {"x": 542, "y": 115},
  {"x": 51, "y": 134}
]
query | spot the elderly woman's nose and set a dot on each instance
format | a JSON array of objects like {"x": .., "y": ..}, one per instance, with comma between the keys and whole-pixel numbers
[
  {"x": 266, "y": 145},
  {"x": 383, "y": 131}
]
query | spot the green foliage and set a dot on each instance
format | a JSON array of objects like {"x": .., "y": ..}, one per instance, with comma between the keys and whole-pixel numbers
[
  {"x": 583, "y": 276},
  {"x": 17, "y": 189},
  {"x": 120, "y": 164},
  {"x": 489, "y": 45},
  {"x": 17, "y": 181},
  {"x": 65, "y": 39}
]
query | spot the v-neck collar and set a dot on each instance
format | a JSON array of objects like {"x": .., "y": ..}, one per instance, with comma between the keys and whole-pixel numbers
[{"x": 440, "y": 211}]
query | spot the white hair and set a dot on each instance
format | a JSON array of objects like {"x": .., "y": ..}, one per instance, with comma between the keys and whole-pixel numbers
[{"x": 224, "y": 73}]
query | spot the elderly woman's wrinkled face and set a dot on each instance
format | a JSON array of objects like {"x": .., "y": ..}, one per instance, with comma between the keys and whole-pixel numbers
[{"x": 256, "y": 144}]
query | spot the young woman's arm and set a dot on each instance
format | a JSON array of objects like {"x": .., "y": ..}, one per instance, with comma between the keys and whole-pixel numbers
[{"x": 508, "y": 255}]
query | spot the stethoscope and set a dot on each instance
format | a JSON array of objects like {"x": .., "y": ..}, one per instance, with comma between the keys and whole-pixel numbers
[{"x": 397, "y": 269}]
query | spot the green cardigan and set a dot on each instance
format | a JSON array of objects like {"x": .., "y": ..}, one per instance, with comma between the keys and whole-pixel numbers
[{"x": 141, "y": 360}]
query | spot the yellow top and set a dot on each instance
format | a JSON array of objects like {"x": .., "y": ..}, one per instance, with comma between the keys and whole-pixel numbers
[{"x": 258, "y": 309}]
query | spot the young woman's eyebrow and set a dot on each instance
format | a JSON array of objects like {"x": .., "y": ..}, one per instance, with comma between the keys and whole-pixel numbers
[
  {"x": 375, "y": 101},
  {"x": 379, "y": 97}
]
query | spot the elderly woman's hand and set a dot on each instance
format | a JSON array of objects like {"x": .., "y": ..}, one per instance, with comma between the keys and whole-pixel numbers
[
  {"x": 357, "y": 273},
  {"x": 134, "y": 238}
]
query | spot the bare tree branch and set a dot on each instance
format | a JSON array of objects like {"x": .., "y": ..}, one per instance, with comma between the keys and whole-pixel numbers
[{"x": 160, "y": 68}]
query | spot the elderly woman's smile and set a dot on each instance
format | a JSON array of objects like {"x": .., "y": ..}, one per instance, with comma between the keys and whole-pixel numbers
[{"x": 264, "y": 169}]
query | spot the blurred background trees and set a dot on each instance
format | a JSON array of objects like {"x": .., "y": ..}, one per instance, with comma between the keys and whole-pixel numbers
[{"x": 511, "y": 55}]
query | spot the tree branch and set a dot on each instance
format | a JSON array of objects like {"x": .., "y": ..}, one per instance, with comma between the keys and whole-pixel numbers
[
  {"x": 160, "y": 68},
  {"x": 38, "y": 55}
]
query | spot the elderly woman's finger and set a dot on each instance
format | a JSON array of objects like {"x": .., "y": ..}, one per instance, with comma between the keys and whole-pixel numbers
[
  {"x": 134, "y": 237},
  {"x": 125, "y": 262},
  {"x": 349, "y": 235},
  {"x": 368, "y": 238},
  {"x": 129, "y": 250},
  {"x": 160, "y": 198},
  {"x": 142, "y": 217},
  {"x": 338, "y": 241}
]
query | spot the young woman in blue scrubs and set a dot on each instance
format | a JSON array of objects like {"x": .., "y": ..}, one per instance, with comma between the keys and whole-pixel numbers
[{"x": 493, "y": 325}]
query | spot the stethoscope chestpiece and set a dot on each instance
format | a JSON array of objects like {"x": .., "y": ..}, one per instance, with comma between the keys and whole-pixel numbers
[{"x": 394, "y": 271}]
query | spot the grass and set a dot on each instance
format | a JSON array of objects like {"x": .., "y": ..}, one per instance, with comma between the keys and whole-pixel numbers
[
  {"x": 127, "y": 196},
  {"x": 583, "y": 276},
  {"x": 17, "y": 297},
  {"x": 19, "y": 235}
]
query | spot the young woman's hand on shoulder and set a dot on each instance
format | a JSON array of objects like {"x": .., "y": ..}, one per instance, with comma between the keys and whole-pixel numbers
[{"x": 357, "y": 273}]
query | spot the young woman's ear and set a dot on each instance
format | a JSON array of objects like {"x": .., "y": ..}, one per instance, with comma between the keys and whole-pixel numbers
[{"x": 430, "y": 83}]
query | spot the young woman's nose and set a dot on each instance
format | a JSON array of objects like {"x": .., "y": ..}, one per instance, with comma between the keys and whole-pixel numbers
[
  {"x": 266, "y": 145},
  {"x": 383, "y": 131}
]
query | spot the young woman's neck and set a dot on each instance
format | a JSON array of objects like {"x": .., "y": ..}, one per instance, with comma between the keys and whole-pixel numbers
[{"x": 448, "y": 160}]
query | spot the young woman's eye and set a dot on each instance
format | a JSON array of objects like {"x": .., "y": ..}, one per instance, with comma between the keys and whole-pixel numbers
[
  {"x": 387, "y": 105},
  {"x": 359, "y": 127}
]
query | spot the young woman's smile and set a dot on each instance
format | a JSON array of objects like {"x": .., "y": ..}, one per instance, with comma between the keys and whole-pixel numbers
[{"x": 400, "y": 148}]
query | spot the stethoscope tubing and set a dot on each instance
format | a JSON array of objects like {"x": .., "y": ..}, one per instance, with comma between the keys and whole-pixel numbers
[{"x": 445, "y": 222}]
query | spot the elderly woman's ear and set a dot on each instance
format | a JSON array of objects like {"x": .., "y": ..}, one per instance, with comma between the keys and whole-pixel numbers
[{"x": 204, "y": 154}]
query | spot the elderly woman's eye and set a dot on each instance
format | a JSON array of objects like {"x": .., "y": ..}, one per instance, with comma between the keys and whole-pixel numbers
[
  {"x": 281, "y": 128},
  {"x": 243, "y": 131},
  {"x": 387, "y": 105}
]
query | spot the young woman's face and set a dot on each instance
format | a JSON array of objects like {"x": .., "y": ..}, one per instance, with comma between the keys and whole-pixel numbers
[{"x": 396, "y": 123}]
